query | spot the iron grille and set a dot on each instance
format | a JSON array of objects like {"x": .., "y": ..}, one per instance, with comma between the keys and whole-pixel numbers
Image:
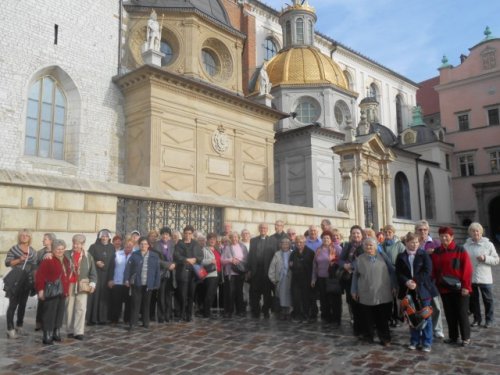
[{"x": 145, "y": 215}]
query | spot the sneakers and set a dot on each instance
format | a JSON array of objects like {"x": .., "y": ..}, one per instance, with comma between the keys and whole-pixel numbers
[
  {"x": 412, "y": 347},
  {"x": 439, "y": 335},
  {"x": 11, "y": 334},
  {"x": 426, "y": 349}
]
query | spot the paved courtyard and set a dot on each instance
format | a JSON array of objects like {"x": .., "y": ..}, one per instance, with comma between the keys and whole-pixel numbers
[{"x": 243, "y": 346}]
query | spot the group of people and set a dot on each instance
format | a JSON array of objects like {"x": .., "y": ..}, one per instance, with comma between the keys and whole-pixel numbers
[{"x": 167, "y": 275}]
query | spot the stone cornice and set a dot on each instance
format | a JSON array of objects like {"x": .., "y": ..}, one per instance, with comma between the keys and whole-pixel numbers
[
  {"x": 147, "y": 74},
  {"x": 309, "y": 130},
  {"x": 468, "y": 81}
]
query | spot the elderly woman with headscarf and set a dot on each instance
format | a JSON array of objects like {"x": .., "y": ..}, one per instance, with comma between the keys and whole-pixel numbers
[
  {"x": 23, "y": 257},
  {"x": 373, "y": 286},
  {"x": 55, "y": 269},
  {"x": 452, "y": 272},
  {"x": 103, "y": 253},
  {"x": 280, "y": 275},
  {"x": 483, "y": 256}
]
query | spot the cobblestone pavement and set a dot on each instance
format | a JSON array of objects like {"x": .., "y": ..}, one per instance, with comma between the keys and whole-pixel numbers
[{"x": 243, "y": 346}]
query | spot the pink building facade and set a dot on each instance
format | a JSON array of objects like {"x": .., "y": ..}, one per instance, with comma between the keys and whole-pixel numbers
[{"x": 469, "y": 99}]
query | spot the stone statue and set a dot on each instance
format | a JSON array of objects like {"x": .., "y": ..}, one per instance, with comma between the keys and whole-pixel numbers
[
  {"x": 153, "y": 33},
  {"x": 264, "y": 84}
]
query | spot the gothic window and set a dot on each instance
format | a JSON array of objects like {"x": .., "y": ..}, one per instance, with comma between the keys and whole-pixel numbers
[
  {"x": 270, "y": 49},
  {"x": 429, "y": 197},
  {"x": 45, "y": 120},
  {"x": 167, "y": 50},
  {"x": 399, "y": 113},
  {"x": 307, "y": 111},
  {"x": 210, "y": 62},
  {"x": 402, "y": 190},
  {"x": 300, "y": 30}
]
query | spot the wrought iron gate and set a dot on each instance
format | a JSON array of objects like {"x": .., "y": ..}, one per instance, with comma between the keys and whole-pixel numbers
[{"x": 144, "y": 215}]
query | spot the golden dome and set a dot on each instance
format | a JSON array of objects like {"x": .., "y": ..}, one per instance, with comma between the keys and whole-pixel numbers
[{"x": 304, "y": 66}]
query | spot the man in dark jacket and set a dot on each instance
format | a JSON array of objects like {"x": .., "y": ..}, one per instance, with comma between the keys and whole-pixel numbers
[
  {"x": 279, "y": 233},
  {"x": 262, "y": 252},
  {"x": 187, "y": 253}
]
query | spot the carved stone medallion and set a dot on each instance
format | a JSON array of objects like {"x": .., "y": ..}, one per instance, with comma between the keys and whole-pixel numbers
[{"x": 220, "y": 140}]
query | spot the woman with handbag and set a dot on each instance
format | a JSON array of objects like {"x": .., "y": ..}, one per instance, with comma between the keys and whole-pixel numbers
[
  {"x": 82, "y": 282},
  {"x": 52, "y": 286},
  {"x": 234, "y": 260},
  {"x": 452, "y": 272},
  {"x": 18, "y": 282},
  {"x": 211, "y": 262},
  {"x": 373, "y": 286},
  {"x": 413, "y": 272},
  {"x": 324, "y": 258}
]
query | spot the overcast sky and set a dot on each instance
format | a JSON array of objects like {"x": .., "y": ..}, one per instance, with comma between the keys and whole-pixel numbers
[{"x": 409, "y": 37}]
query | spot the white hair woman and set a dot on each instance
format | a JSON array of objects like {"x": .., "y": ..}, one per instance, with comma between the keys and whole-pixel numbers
[{"x": 483, "y": 256}]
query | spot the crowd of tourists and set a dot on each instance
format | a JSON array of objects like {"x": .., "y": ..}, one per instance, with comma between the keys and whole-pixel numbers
[{"x": 168, "y": 276}]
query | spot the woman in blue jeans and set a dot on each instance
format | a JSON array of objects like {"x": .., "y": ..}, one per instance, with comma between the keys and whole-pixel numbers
[{"x": 413, "y": 271}]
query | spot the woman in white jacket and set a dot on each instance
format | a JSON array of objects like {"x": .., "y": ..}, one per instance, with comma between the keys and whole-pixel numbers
[
  {"x": 281, "y": 277},
  {"x": 483, "y": 255}
]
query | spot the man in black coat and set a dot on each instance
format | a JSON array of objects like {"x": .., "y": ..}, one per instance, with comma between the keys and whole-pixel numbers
[
  {"x": 262, "y": 249},
  {"x": 187, "y": 253},
  {"x": 279, "y": 233}
]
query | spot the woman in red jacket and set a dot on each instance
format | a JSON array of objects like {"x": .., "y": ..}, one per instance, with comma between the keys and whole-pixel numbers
[
  {"x": 452, "y": 272},
  {"x": 50, "y": 270}
]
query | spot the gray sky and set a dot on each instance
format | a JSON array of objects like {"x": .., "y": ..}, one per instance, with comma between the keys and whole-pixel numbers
[{"x": 409, "y": 37}]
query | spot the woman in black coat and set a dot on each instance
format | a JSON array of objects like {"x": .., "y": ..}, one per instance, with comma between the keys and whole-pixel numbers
[{"x": 301, "y": 265}]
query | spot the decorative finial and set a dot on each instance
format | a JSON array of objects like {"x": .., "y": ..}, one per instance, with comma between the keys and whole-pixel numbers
[
  {"x": 487, "y": 33},
  {"x": 444, "y": 62}
]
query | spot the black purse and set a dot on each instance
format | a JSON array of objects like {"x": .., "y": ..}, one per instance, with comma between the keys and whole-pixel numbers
[
  {"x": 451, "y": 282},
  {"x": 210, "y": 267},
  {"x": 53, "y": 289}
]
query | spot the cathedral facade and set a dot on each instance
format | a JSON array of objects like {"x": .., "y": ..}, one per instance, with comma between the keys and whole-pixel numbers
[{"x": 137, "y": 114}]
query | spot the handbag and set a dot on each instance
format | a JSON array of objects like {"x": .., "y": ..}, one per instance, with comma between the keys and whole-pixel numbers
[
  {"x": 84, "y": 286},
  {"x": 239, "y": 268},
  {"x": 199, "y": 271},
  {"x": 53, "y": 289},
  {"x": 333, "y": 285},
  {"x": 15, "y": 280},
  {"x": 451, "y": 282},
  {"x": 210, "y": 267}
]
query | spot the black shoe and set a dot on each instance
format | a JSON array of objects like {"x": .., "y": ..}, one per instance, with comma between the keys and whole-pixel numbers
[
  {"x": 47, "y": 338},
  {"x": 71, "y": 336},
  {"x": 451, "y": 341},
  {"x": 475, "y": 323},
  {"x": 466, "y": 342},
  {"x": 78, "y": 337},
  {"x": 56, "y": 335}
]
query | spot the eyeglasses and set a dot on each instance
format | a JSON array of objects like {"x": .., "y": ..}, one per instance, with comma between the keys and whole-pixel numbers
[{"x": 423, "y": 229}]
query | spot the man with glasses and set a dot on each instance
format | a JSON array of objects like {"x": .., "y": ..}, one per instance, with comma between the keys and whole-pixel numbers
[{"x": 428, "y": 244}]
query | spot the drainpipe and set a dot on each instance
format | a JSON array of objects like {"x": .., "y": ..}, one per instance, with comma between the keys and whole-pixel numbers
[{"x": 120, "y": 21}]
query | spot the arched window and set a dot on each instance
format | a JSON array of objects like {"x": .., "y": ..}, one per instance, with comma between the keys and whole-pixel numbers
[
  {"x": 288, "y": 33},
  {"x": 310, "y": 32},
  {"x": 350, "y": 82},
  {"x": 210, "y": 62},
  {"x": 167, "y": 50},
  {"x": 270, "y": 49},
  {"x": 402, "y": 193},
  {"x": 300, "y": 30},
  {"x": 399, "y": 113},
  {"x": 45, "y": 120},
  {"x": 429, "y": 197},
  {"x": 374, "y": 91}
]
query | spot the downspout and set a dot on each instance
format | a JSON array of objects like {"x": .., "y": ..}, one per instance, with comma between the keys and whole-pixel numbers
[
  {"x": 120, "y": 19},
  {"x": 418, "y": 191}
]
